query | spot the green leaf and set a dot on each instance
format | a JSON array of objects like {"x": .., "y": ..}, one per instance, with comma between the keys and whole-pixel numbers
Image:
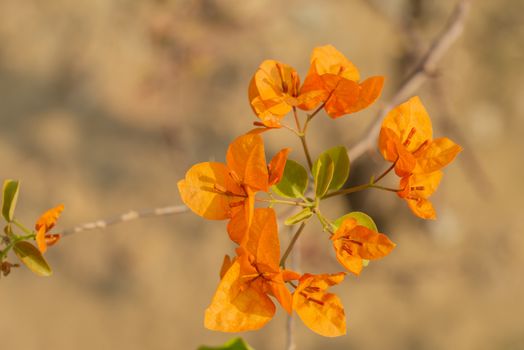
[
  {"x": 9, "y": 198},
  {"x": 300, "y": 216},
  {"x": 323, "y": 171},
  {"x": 294, "y": 181},
  {"x": 32, "y": 258},
  {"x": 233, "y": 344},
  {"x": 340, "y": 158},
  {"x": 363, "y": 219}
]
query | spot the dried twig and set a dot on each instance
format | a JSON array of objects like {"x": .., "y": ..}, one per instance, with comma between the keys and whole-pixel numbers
[
  {"x": 424, "y": 69},
  {"x": 129, "y": 216}
]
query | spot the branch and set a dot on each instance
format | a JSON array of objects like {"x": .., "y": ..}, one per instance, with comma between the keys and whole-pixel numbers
[
  {"x": 424, "y": 69},
  {"x": 129, "y": 216}
]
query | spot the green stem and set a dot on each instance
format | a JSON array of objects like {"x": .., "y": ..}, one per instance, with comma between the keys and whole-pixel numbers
[
  {"x": 291, "y": 245},
  {"x": 279, "y": 201},
  {"x": 386, "y": 188},
  {"x": 306, "y": 151},
  {"x": 348, "y": 190},
  {"x": 326, "y": 224},
  {"x": 371, "y": 184},
  {"x": 22, "y": 227}
]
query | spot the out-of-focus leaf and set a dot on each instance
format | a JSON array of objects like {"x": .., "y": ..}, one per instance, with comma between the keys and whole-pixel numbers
[
  {"x": 299, "y": 217},
  {"x": 340, "y": 158},
  {"x": 9, "y": 198},
  {"x": 323, "y": 171},
  {"x": 294, "y": 181},
  {"x": 233, "y": 344},
  {"x": 363, "y": 219},
  {"x": 32, "y": 258}
]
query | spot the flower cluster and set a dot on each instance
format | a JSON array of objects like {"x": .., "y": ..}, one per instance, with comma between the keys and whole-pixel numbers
[
  {"x": 20, "y": 243},
  {"x": 256, "y": 277}
]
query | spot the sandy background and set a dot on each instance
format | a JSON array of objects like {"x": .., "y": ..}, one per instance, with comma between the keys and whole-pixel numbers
[{"x": 105, "y": 104}]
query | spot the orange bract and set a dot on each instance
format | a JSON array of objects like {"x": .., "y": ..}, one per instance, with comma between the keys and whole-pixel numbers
[
  {"x": 322, "y": 312},
  {"x": 353, "y": 243},
  {"x": 220, "y": 191},
  {"x": 406, "y": 138},
  {"x": 273, "y": 91},
  {"x": 44, "y": 224},
  {"x": 416, "y": 190},
  {"x": 242, "y": 300},
  {"x": 332, "y": 79}
]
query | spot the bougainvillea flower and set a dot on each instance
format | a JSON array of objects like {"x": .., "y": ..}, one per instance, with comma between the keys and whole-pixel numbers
[
  {"x": 406, "y": 137},
  {"x": 353, "y": 243},
  {"x": 321, "y": 311},
  {"x": 416, "y": 189},
  {"x": 44, "y": 224},
  {"x": 273, "y": 91},
  {"x": 242, "y": 300},
  {"x": 218, "y": 191},
  {"x": 332, "y": 79}
]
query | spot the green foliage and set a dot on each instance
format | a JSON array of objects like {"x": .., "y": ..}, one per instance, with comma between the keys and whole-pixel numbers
[
  {"x": 340, "y": 158},
  {"x": 294, "y": 181},
  {"x": 9, "y": 198},
  {"x": 32, "y": 258},
  {"x": 233, "y": 344},
  {"x": 323, "y": 171},
  {"x": 299, "y": 217}
]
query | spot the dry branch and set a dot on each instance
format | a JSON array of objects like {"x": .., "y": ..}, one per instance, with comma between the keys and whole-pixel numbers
[
  {"x": 128, "y": 216},
  {"x": 424, "y": 69}
]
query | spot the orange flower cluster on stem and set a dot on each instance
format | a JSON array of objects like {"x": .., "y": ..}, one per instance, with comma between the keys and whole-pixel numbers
[{"x": 256, "y": 276}]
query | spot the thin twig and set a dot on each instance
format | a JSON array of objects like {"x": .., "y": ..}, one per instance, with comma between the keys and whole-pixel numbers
[
  {"x": 291, "y": 245},
  {"x": 129, "y": 216},
  {"x": 424, "y": 69}
]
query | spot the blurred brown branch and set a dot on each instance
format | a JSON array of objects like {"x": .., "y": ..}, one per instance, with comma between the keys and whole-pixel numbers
[
  {"x": 424, "y": 69},
  {"x": 125, "y": 217}
]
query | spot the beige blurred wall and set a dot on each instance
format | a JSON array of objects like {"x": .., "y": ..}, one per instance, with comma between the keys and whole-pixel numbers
[{"x": 105, "y": 104}]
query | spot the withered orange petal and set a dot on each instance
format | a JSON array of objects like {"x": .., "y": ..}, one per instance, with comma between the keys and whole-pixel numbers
[
  {"x": 277, "y": 165},
  {"x": 246, "y": 158},
  {"x": 52, "y": 239},
  {"x": 204, "y": 190},
  {"x": 236, "y": 307}
]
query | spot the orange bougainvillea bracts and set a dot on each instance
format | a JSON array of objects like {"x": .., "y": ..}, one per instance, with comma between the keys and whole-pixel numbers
[
  {"x": 321, "y": 311},
  {"x": 273, "y": 91},
  {"x": 416, "y": 189},
  {"x": 333, "y": 80},
  {"x": 220, "y": 191},
  {"x": 406, "y": 138},
  {"x": 44, "y": 224},
  {"x": 242, "y": 300},
  {"x": 353, "y": 243},
  {"x": 254, "y": 281}
]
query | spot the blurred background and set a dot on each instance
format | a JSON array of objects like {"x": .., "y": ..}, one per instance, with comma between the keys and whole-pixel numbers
[{"x": 105, "y": 104}]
